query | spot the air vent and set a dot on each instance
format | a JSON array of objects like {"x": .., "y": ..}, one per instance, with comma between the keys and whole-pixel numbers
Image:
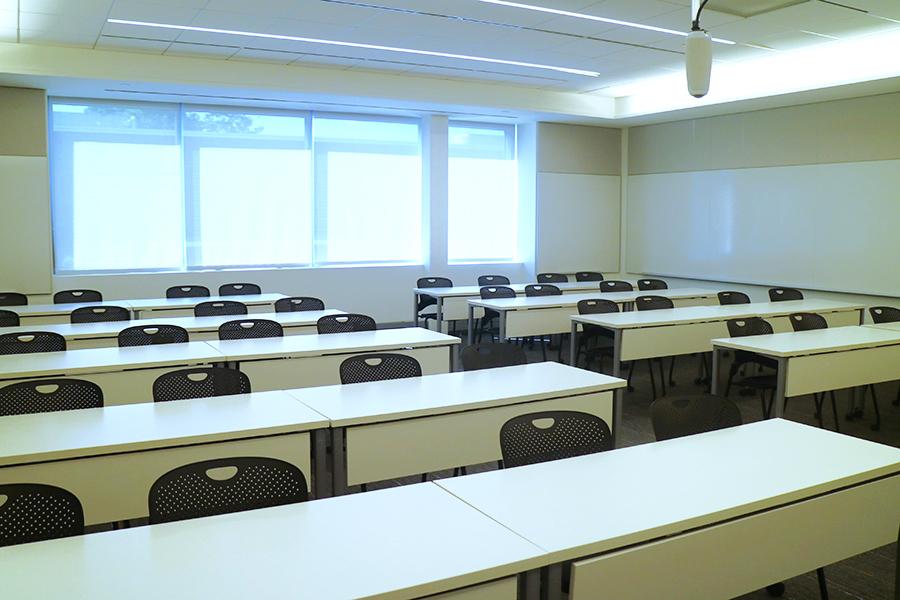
[{"x": 750, "y": 8}]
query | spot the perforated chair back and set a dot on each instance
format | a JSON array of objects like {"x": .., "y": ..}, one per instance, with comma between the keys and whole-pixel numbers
[
  {"x": 225, "y": 485},
  {"x": 31, "y": 341},
  {"x": 728, "y": 298},
  {"x": 807, "y": 321},
  {"x": 33, "y": 512},
  {"x": 379, "y": 367},
  {"x": 188, "y": 291},
  {"x": 431, "y": 282},
  {"x": 220, "y": 308},
  {"x": 49, "y": 395},
  {"x": 749, "y": 326},
  {"x": 492, "y": 356},
  {"x": 541, "y": 289},
  {"x": 585, "y": 276},
  {"x": 202, "y": 382},
  {"x": 552, "y": 435},
  {"x": 783, "y": 294},
  {"x": 614, "y": 285},
  {"x": 299, "y": 304},
  {"x": 239, "y": 289},
  {"x": 492, "y": 280},
  {"x": 245, "y": 329},
  {"x": 13, "y": 299},
  {"x": 9, "y": 319},
  {"x": 346, "y": 323},
  {"x": 688, "y": 415},
  {"x": 552, "y": 278},
  {"x": 596, "y": 306},
  {"x": 151, "y": 335},
  {"x": 885, "y": 314},
  {"x": 99, "y": 314},
  {"x": 653, "y": 303},
  {"x": 646, "y": 285},
  {"x": 74, "y": 296},
  {"x": 497, "y": 291}
]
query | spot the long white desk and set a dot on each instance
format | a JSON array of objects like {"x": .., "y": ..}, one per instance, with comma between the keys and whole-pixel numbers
[
  {"x": 750, "y": 506},
  {"x": 821, "y": 360},
  {"x": 310, "y": 360},
  {"x": 33, "y": 315},
  {"x": 155, "y": 308},
  {"x": 397, "y": 544},
  {"x": 109, "y": 457},
  {"x": 888, "y": 326},
  {"x": 389, "y": 429}
]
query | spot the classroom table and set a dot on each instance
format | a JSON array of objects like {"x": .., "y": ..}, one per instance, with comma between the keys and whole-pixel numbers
[
  {"x": 888, "y": 326},
  {"x": 387, "y": 429},
  {"x": 396, "y": 544},
  {"x": 125, "y": 375},
  {"x": 156, "y": 308},
  {"x": 749, "y": 506},
  {"x": 310, "y": 360},
  {"x": 32, "y": 315},
  {"x": 110, "y": 457}
]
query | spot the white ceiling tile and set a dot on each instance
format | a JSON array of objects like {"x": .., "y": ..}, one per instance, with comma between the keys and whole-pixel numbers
[
  {"x": 61, "y": 23},
  {"x": 132, "y": 31},
  {"x": 268, "y": 56},
  {"x": 67, "y": 7},
  {"x": 134, "y": 10},
  {"x": 132, "y": 45},
  {"x": 57, "y": 38},
  {"x": 198, "y": 50}
]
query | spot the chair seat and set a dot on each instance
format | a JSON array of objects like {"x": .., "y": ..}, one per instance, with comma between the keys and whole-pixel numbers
[
  {"x": 742, "y": 357},
  {"x": 759, "y": 382}
]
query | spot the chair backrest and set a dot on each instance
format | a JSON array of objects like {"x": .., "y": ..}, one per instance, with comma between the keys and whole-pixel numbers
[
  {"x": 220, "y": 308},
  {"x": 31, "y": 341},
  {"x": 239, "y": 289},
  {"x": 33, "y": 512},
  {"x": 49, "y": 395},
  {"x": 552, "y": 435},
  {"x": 73, "y": 296},
  {"x": 646, "y": 285},
  {"x": 781, "y": 294},
  {"x": 596, "y": 306},
  {"x": 885, "y": 314},
  {"x": 588, "y": 276},
  {"x": 492, "y": 280},
  {"x": 9, "y": 319},
  {"x": 379, "y": 367},
  {"x": 748, "y": 326},
  {"x": 726, "y": 298},
  {"x": 433, "y": 282},
  {"x": 807, "y": 321},
  {"x": 201, "y": 382},
  {"x": 491, "y": 356},
  {"x": 688, "y": 415},
  {"x": 552, "y": 278},
  {"x": 614, "y": 285},
  {"x": 496, "y": 291},
  {"x": 13, "y": 299},
  {"x": 151, "y": 335},
  {"x": 225, "y": 485},
  {"x": 299, "y": 304},
  {"x": 653, "y": 302},
  {"x": 99, "y": 314},
  {"x": 244, "y": 329},
  {"x": 188, "y": 291},
  {"x": 345, "y": 323},
  {"x": 542, "y": 289}
]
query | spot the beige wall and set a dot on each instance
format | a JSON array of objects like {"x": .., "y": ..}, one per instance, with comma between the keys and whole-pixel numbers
[
  {"x": 23, "y": 122},
  {"x": 579, "y": 149}
]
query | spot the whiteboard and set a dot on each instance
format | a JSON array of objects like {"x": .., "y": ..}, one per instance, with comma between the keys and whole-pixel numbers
[
  {"x": 829, "y": 227},
  {"x": 25, "y": 259}
]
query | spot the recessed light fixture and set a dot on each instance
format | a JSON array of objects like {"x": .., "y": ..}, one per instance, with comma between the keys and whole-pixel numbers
[
  {"x": 577, "y": 15},
  {"x": 293, "y": 38}
]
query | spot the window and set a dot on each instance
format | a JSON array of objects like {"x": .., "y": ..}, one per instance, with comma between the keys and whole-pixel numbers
[{"x": 483, "y": 202}]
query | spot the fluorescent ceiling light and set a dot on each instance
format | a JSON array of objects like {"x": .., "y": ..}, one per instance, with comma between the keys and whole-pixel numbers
[
  {"x": 568, "y": 13},
  {"x": 292, "y": 38}
]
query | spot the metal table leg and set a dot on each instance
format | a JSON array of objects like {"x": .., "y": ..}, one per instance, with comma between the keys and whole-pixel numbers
[
  {"x": 501, "y": 333},
  {"x": 339, "y": 462},
  {"x": 778, "y": 401},
  {"x": 439, "y": 314},
  {"x": 619, "y": 394},
  {"x": 470, "y": 338},
  {"x": 572, "y": 344},
  {"x": 415, "y": 309},
  {"x": 322, "y": 473},
  {"x": 714, "y": 374}
]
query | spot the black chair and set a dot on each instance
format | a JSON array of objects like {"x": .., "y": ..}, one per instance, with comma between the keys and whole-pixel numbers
[
  {"x": 188, "y": 291},
  {"x": 491, "y": 356},
  {"x": 13, "y": 299},
  {"x": 31, "y": 341},
  {"x": 424, "y": 302},
  {"x": 9, "y": 319},
  {"x": 728, "y": 298},
  {"x": 250, "y": 329},
  {"x": 614, "y": 285},
  {"x": 594, "y": 341},
  {"x": 552, "y": 278},
  {"x": 202, "y": 382},
  {"x": 542, "y": 289},
  {"x": 346, "y": 323},
  {"x": 552, "y": 435},
  {"x": 99, "y": 314},
  {"x": 220, "y": 308},
  {"x": 492, "y": 280},
  {"x": 647, "y": 285},
  {"x": 784, "y": 294},
  {"x": 583, "y": 276},
  {"x": 151, "y": 335},
  {"x": 299, "y": 304},
  {"x": 239, "y": 289},
  {"x": 35, "y": 512},
  {"x": 886, "y": 314},
  {"x": 689, "y": 415},
  {"x": 653, "y": 303},
  {"x": 763, "y": 383},
  {"x": 379, "y": 367},
  {"x": 73, "y": 296},
  {"x": 490, "y": 293},
  {"x": 807, "y": 321},
  {"x": 49, "y": 395},
  {"x": 225, "y": 485}
]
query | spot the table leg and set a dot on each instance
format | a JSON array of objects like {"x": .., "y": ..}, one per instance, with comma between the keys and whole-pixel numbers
[
  {"x": 470, "y": 337},
  {"x": 619, "y": 394},
  {"x": 572, "y": 334},
  {"x": 322, "y": 473},
  {"x": 338, "y": 462},
  {"x": 415, "y": 309},
  {"x": 553, "y": 582},
  {"x": 530, "y": 585},
  {"x": 501, "y": 333},
  {"x": 439, "y": 315},
  {"x": 714, "y": 374},
  {"x": 778, "y": 400}
]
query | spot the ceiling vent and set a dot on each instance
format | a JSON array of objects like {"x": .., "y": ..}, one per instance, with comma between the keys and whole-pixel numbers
[{"x": 750, "y": 8}]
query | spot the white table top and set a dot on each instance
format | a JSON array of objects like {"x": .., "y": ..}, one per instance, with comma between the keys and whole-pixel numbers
[
  {"x": 297, "y": 346},
  {"x": 181, "y": 303},
  {"x": 400, "y": 543},
  {"x": 599, "y": 502},
  {"x": 524, "y": 303},
  {"x": 799, "y": 343},
  {"x": 475, "y": 290},
  {"x": 380, "y": 401},
  {"x": 44, "y": 310},
  {"x": 102, "y": 360},
  {"x": 133, "y": 427},
  {"x": 703, "y": 314},
  {"x": 888, "y": 326}
]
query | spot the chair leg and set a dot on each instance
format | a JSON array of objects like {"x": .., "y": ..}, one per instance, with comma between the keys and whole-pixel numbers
[
  {"x": 823, "y": 584},
  {"x": 877, "y": 425},
  {"x": 897, "y": 399},
  {"x": 652, "y": 377},
  {"x": 543, "y": 348},
  {"x": 837, "y": 423},
  {"x": 732, "y": 371},
  {"x": 672, "y": 372},
  {"x": 424, "y": 477},
  {"x": 630, "y": 373},
  {"x": 818, "y": 399},
  {"x": 662, "y": 376}
]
